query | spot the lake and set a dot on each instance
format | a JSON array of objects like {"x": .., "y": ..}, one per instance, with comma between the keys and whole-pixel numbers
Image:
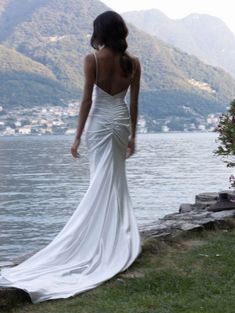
[{"x": 41, "y": 184}]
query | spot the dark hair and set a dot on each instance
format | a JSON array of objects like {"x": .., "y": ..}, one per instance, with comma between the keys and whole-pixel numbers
[{"x": 110, "y": 30}]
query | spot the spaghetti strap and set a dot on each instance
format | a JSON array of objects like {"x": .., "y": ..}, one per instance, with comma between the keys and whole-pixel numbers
[{"x": 96, "y": 63}]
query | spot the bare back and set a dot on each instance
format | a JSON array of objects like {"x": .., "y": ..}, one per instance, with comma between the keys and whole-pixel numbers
[{"x": 109, "y": 74}]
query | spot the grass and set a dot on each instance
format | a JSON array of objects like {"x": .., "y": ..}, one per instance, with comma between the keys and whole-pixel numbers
[{"x": 193, "y": 273}]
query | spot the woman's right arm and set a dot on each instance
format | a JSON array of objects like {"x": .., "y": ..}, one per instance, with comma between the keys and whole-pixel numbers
[
  {"x": 89, "y": 73},
  {"x": 134, "y": 98}
]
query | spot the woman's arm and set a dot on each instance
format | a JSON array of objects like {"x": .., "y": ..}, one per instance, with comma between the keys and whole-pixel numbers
[
  {"x": 89, "y": 73},
  {"x": 134, "y": 98}
]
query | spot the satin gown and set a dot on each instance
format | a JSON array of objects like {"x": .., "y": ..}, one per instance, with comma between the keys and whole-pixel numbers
[{"x": 101, "y": 238}]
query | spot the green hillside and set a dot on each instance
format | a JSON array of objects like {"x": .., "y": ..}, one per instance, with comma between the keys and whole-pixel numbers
[
  {"x": 26, "y": 82},
  {"x": 56, "y": 34}
]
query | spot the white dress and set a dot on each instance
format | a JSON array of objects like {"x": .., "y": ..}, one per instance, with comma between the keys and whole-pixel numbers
[{"x": 101, "y": 238}]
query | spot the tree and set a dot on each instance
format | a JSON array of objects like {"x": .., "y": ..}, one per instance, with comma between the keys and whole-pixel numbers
[{"x": 226, "y": 130}]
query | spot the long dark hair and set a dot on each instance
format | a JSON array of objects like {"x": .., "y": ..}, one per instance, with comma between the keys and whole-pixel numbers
[{"x": 110, "y": 30}]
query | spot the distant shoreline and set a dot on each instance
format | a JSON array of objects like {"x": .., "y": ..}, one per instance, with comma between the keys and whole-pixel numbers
[{"x": 139, "y": 133}]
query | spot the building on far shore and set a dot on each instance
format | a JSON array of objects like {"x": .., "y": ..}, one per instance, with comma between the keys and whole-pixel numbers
[
  {"x": 25, "y": 130},
  {"x": 8, "y": 131}
]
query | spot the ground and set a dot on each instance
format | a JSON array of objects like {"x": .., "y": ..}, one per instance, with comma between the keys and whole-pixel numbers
[{"x": 191, "y": 273}]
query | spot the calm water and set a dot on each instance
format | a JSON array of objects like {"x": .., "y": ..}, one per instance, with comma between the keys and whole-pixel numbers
[{"x": 41, "y": 185}]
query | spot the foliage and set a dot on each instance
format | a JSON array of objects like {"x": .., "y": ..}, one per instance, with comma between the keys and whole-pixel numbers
[
  {"x": 26, "y": 82},
  {"x": 226, "y": 130}
]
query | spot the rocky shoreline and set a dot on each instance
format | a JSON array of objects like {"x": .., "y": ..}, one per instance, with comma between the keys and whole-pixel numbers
[{"x": 208, "y": 211}]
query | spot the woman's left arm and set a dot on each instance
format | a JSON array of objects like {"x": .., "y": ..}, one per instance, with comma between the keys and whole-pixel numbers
[{"x": 89, "y": 73}]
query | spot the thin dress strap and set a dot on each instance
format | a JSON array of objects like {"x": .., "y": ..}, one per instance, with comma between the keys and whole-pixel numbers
[{"x": 96, "y": 62}]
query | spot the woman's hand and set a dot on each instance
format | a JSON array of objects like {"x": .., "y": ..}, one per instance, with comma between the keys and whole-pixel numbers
[
  {"x": 131, "y": 147},
  {"x": 74, "y": 148}
]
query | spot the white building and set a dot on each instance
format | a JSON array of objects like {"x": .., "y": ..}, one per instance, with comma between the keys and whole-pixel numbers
[
  {"x": 18, "y": 123},
  {"x": 25, "y": 130},
  {"x": 201, "y": 127},
  {"x": 9, "y": 131},
  {"x": 165, "y": 128}
]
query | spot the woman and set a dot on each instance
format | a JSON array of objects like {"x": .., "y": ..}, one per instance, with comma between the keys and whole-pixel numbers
[{"x": 101, "y": 238}]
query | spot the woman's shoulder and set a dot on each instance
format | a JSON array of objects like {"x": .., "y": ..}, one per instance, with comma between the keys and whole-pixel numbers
[
  {"x": 89, "y": 56},
  {"x": 89, "y": 60},
  {"x": 135, "y": 62},
  {"x": 132, "y": 56}
]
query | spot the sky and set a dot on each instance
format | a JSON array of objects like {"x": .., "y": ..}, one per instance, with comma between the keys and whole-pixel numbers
[{"x": 224, "y": 9}]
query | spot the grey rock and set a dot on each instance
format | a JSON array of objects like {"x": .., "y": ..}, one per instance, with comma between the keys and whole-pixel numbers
[
  {"x": 231, "y": 193},
  {"x": 191, "y": 216},
  {"x": 221, "y": 206},
  {"x": 206, "y": 197},
  {"x": 186, "y": 207},
  {"x": 188, "y": 226},
  {"x": 222, "y": 214},
  {"x": 203, "y": 204}
]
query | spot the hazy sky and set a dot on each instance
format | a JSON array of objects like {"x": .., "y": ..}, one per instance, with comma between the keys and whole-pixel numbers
[{"x": 224, "y": 9}]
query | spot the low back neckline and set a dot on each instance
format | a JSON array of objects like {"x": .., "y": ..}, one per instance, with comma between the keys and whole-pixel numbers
[
  {"x": 116, "y": 94},
  {"x": 111, "y": 95}
]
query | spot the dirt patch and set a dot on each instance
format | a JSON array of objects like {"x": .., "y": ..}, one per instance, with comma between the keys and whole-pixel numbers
[
  {"x": 191, "y": 243},
  {"x": 132, "y": 274}
]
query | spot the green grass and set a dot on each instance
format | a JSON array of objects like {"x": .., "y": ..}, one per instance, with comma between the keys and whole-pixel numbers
[{"x": 190, "y": 274}]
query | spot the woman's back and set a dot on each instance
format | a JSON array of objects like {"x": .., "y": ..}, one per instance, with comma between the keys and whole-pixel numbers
[{"x": 109, "y": 74}]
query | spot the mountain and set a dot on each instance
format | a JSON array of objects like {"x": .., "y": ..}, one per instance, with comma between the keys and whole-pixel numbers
[
  {"x": 55, "y": 34},
  {"x": 202, "y": 35},
  {"x": 26, "y": 82}
]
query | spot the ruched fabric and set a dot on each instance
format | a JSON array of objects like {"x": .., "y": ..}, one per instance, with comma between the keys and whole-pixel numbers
[{"x": 101, "y": 238}]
